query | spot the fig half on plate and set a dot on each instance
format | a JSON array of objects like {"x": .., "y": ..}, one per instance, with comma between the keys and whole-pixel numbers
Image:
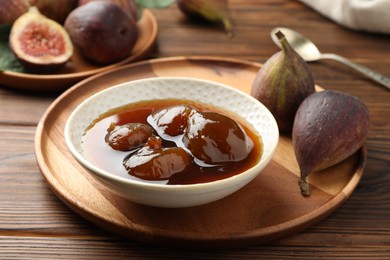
[{"x": 40, "y": 44}]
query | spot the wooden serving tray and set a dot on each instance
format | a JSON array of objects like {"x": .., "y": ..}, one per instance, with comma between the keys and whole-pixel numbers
[{"x": 268, "y": 208}]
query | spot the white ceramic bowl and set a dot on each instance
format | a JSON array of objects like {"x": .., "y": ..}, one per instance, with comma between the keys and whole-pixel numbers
[{"x": 173, "y": 196}]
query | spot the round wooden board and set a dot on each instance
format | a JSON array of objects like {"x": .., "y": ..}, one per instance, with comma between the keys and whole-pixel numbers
[
  {"x": 78, "y": 68},
  {"x": 268, "y": 208}
]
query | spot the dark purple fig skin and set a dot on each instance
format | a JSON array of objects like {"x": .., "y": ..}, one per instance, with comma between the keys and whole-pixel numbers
[
  {"x": 11, "y": 10},
  {"x": 129, "y": 6},
  {"x": 102, "y": 32},
  {"x": 57, "y": 10},
  {"x": 282, "y": 83},
  {"x": 329, "y": 127}
]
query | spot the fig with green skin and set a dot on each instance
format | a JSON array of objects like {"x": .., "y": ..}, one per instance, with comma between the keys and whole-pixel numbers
[
  {"x": 282, "y": 83},
  {"x": 41, "y": 44},
  {"x": 329, "y": 127},
  {"x": 102, "y": 32},
  {"x": 10, "y": 10},
  {"x": 215, "y": 11}
]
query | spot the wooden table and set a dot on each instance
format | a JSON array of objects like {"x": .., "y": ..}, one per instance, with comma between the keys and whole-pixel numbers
[{"x": 34, "y": 223}]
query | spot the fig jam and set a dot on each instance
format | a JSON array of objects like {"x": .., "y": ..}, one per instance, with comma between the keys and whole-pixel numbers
[{"x": 170, "y": 118}]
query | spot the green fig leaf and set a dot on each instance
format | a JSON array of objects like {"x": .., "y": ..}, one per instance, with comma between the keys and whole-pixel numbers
[
  {"x": 154, "y": 3},
  {"x": 157, "y": 4},
  {"x": 8, "y": 60}
]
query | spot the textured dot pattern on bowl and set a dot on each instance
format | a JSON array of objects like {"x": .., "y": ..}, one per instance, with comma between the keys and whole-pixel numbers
[{"x": 203, "y": 91}]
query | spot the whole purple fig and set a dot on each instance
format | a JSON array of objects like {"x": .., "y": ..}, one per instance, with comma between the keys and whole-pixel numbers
[
  {"x": 102, "y": 32},
  {"x": 10, "y": 10},
  {"x": 329, "y": 127},
  {"x": 282, "y": 83},
  {"x": 129, "y": 6},
  {"x": 57, "y": 10}
]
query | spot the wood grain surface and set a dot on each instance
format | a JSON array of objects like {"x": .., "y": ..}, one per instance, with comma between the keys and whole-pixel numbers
[
  {"x": 35, "y": 224},
  {"x": 270, "y": 207}
]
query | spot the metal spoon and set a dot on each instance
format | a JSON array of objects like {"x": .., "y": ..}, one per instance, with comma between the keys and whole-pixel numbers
[{"x": 310, "y": 52}]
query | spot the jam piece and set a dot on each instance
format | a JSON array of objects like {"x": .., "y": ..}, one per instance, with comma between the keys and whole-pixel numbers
[
  {"x": 215, "y": 139},
  {"x": 172, "y": 120},
  {"x": 163, "y": 154},
  {"x": 129, "y": 136},
  {"x": 154, "y": 162}
]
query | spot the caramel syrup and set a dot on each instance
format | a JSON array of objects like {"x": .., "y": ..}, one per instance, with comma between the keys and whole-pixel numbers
[{"x": 102, "y": 155}]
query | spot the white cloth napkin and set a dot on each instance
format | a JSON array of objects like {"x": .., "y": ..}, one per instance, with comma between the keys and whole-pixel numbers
[{"x": 366, "y": 15}]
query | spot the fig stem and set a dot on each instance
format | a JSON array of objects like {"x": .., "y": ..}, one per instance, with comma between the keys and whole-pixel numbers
[
  {"x": 305, "y": 187},
  {"x": 284, "y": 42},
  {"x": 280, "y": 35},
  {"x": 228, "y": 27}
]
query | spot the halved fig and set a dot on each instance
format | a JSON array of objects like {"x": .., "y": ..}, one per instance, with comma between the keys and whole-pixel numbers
[{"x": 41, "y": 44}]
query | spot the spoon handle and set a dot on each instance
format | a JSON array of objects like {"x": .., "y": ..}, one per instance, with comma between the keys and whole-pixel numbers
[{"x": 381, "y": 79}]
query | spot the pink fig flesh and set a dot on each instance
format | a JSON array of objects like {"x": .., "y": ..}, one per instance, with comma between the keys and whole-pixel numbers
[{"x": 41, "y": 44}]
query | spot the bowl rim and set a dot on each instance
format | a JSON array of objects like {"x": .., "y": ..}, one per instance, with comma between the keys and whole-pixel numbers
[{"x": 101, "y": 173}]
